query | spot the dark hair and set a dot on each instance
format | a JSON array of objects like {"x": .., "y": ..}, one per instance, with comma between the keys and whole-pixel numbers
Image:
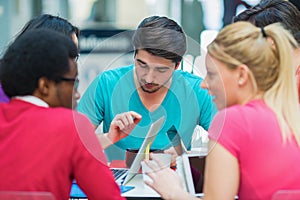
[
  {"x": 296, "y": 3},
  {"x": 272, "y": 11},
  {"x": 161, "y": 37},
  {"x": 35, "y": 54},
  {"x": 50, "y": 22}
]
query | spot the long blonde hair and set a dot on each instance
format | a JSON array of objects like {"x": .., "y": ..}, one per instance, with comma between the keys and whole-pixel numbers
[{"x": 268, "y": 54}]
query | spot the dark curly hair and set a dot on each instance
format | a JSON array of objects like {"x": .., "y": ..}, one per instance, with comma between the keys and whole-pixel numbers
[{"x": 35, "y": 54}]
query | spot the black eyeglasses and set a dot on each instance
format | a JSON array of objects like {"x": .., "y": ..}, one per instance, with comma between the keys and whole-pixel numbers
[{"x": 75, "y": 80}]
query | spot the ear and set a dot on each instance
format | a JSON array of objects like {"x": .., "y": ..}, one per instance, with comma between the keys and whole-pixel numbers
[
  {"x": 44, "y": 86},
  {"x": 243, "y": 75}
]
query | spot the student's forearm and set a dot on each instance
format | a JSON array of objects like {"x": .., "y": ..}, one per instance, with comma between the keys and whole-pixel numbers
[
  {"x": 188, "y": 196},
  {"x": 102, "y": 137},
  {"x": 104, "y": 140}
]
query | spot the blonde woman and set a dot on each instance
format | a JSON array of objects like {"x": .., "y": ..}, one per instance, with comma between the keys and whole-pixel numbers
[{"x": 254, "y": 139}]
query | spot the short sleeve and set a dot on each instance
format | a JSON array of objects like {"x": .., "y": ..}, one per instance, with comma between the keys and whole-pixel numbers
[
  {"x": 91, "y": 102},
  {"x": 228, "y": 129}
]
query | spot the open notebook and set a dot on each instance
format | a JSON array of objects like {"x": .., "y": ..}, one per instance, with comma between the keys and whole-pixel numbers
[{"x": 127, "y": 174}]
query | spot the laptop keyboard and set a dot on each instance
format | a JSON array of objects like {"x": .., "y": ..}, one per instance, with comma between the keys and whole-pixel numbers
[{"x": 118, "y": 172}]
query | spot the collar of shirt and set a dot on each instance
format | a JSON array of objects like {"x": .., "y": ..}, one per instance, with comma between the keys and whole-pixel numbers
[{"x": 33, "y": 99}]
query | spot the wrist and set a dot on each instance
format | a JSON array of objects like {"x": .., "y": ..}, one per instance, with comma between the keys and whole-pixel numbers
[
  {"x": 110, "y": 138},
  {"x": 104, "y": 140},
  {"x": 181, "y": 194}
]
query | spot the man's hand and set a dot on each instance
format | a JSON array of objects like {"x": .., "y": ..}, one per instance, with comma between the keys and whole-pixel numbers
[{"x": 122, "y": 125}]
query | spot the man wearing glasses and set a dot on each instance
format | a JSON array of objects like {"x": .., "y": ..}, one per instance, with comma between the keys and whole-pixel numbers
[
  {"x": 152, "y": 87},
  {"x": 44, "y": 144}
]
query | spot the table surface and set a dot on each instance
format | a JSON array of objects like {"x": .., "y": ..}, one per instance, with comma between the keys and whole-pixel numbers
[{"x": 140, "y": 188}]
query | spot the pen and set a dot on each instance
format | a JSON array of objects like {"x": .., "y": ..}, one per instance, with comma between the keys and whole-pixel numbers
[{"x": 147, "y": 152}]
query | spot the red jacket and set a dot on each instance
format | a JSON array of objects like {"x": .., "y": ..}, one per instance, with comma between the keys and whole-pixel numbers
[{"x": 44, "y": 149}]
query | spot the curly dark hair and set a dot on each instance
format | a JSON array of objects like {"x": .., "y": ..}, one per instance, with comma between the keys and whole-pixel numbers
[{"x": 35, "y": 54}]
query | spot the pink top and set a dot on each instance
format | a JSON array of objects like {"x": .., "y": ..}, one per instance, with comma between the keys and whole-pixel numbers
[
  {"x": 44, "y": 149},
  {"x": 251, "y": 133}
]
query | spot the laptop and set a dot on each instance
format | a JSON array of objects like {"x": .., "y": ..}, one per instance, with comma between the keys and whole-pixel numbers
[
  {"x": 77, "y": 193},
  {"x": 193, "y": 169},
  {"x": 123, "y": 176},
  {"x": 193, "y": 165},
  {"x": 177, "y": 143}
]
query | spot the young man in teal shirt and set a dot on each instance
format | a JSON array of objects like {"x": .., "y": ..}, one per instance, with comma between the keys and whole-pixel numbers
[{"x": 152, "y": 87}]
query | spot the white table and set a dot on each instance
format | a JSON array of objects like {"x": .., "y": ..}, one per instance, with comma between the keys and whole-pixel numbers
[{"x": 141, "y": 190}]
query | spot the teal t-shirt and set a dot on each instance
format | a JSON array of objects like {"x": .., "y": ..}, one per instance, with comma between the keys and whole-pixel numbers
[{"x": 185, "y": 106}]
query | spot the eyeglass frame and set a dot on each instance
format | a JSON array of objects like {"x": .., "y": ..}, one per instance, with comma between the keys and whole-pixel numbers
[{"x": 75, "y": 80}]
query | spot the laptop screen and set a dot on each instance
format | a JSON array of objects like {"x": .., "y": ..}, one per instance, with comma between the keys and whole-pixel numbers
[
  {"x": 197, "y": 164},
  {"x": 77, "y": 193}
]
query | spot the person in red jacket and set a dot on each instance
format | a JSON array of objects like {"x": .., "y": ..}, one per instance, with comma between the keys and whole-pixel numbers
[{"x": 44, "y": 144}]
